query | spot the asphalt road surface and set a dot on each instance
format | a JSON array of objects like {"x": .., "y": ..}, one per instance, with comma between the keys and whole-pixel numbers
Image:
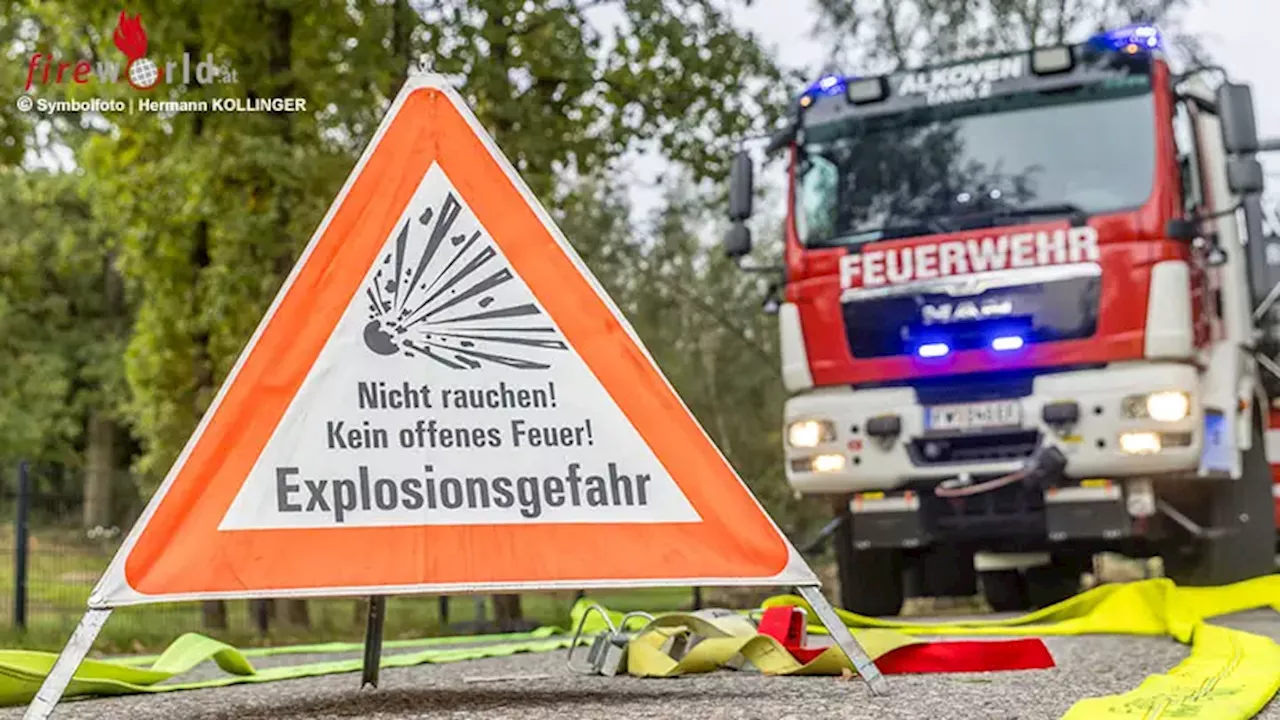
[{"x": 532, "y": 687}]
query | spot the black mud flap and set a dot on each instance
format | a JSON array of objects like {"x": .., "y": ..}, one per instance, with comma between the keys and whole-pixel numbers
[
  {"x": 1238, "y": 534},
  {"x": 882, "y": 520}
]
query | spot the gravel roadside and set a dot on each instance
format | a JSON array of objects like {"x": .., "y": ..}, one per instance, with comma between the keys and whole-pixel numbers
[{"x": 545, "y": 688}]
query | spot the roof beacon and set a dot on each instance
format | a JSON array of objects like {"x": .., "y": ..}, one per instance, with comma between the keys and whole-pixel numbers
[
  {"x": 1131, "y": 39},
  {"x": 828, "y": 85}
]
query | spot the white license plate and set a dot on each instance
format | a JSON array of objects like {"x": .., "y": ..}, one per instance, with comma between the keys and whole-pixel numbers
[{"x": 973, "y": 416}]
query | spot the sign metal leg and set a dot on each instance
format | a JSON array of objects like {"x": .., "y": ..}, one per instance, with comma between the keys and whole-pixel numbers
[
  {"x": 55, "y": 683},
  {"x": 865, "y": 666},
  {"x": 373, "y": 641}
]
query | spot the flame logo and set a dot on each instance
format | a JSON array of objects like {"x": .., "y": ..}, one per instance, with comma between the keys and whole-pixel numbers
[{"x": 129, "y": 36}]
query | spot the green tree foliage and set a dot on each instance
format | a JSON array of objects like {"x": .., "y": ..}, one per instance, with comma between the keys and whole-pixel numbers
[
  {"x": 14, "y": 125},
  {"x": 37, "y": 377},
  {"x": 701, "y": 318},
  {"x": 62, "y": 329},
  {"x": 213, "y": 209},
  {"x": 568, "y": 86}
]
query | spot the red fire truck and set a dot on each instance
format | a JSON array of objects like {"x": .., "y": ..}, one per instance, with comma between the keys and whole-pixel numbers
[{"x": 1027, "y": 317}]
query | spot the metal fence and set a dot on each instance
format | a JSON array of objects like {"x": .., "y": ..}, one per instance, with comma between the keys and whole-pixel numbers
[{"x": 51, "y": 562}]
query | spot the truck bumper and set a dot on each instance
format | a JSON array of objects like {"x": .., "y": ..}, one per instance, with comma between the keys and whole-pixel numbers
[
  {"x": 1015, "y": 517},
  {"x": 858, "y": 454}
]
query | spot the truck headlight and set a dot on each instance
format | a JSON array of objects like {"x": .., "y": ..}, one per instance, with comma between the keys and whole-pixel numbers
[
  {"x": 810, "y": 433},
  {"x": 1165, "y": 406}
]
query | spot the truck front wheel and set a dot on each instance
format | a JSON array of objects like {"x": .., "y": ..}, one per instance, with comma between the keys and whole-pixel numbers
[
  {"x": 871, "y": 580},
  {"x": 1005, "y": 590},
  {"x": 1013, "y": 590},
  {"x": 1051, "y": 584}
]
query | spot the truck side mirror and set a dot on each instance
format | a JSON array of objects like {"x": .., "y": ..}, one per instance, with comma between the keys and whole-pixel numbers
[
  {"x": 1239, "y": 127},
  {"x": 1244, "y": 175},
  {"x": 1180, "y": 229},
  {"x": 740, "y": 187},
  {"x": 737, "y": 242}
]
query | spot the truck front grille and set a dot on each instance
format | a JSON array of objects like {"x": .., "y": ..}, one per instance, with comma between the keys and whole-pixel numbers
[{"x": 894, "y": 323}]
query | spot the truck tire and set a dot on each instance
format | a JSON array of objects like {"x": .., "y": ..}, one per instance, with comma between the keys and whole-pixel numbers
[
  {"x": 1245, "y": 509},
  {"x": 1051, "y": 584},
  {"x": 871, "y": 581},
  {"x": 1005, "y": 590}
]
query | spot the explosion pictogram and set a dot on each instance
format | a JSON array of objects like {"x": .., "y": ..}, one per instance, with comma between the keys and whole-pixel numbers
[
  {"x": 131, "y": 39},
  {"x": 444, "y": 293}
]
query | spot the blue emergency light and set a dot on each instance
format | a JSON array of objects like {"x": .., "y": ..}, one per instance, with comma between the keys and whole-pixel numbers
[
  {"x": 1130, "y": 39},
  {"x": 827, "y": 85},
  {"x": 1002, "y": 343},
  {"x": 933, "y": 350},
  {"x": 1007, "y": 342}
]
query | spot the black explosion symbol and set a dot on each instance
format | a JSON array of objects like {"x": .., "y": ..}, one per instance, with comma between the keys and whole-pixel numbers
[{"x": 433, "y": 297}]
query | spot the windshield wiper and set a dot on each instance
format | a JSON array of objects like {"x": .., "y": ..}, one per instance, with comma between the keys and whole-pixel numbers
[
  {"x": 1075, "y": 213},
  {"x": 910, "y": 227},
  {"x": 913, "y": 228}
]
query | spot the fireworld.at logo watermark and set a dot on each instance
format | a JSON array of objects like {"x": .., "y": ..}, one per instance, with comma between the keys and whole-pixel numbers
[{"x": 139, "y": 70}]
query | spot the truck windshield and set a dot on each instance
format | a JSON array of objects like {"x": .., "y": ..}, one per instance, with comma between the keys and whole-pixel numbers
[{"x": 972, "y": 165}]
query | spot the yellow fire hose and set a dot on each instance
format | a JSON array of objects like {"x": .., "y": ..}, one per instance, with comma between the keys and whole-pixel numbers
[
  {"x": 1229, "y": 674},
  {"x": 722, "y": 642}
]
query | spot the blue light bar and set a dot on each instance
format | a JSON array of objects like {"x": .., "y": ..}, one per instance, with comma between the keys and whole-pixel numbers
[
  {"x": 829, "y": 85},
  {"x": 1006, "y": 342},
  {"x": 933, "y": 350},
  {"x": 1130, "y": 39}
]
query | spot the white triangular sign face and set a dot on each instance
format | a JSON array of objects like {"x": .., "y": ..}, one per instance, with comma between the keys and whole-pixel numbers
[{"x": 447, "y": 396}]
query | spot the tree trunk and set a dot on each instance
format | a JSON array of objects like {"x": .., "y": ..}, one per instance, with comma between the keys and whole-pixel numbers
[
  {"x": 215, "y": 614},
  {"x": 297, "y": 614},
  {"x": 100, "y": 470},
  {"x": 102, "y": 432},
  {"x": 403, "y": 20},
  {"x": 215, "y": 611},
  {"x": 506, "y": 611},
  {"x": 262, "y": 611}
]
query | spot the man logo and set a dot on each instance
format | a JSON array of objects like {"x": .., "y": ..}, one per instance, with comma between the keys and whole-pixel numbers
[{"x": 964, "y": 311}]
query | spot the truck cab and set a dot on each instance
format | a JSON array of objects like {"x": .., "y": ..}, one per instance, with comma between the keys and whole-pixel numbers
[{"x": 1018, "y": 321}]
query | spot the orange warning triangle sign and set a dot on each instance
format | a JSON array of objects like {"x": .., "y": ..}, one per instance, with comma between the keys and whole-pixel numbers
[{"x": 442, "y": 399}]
